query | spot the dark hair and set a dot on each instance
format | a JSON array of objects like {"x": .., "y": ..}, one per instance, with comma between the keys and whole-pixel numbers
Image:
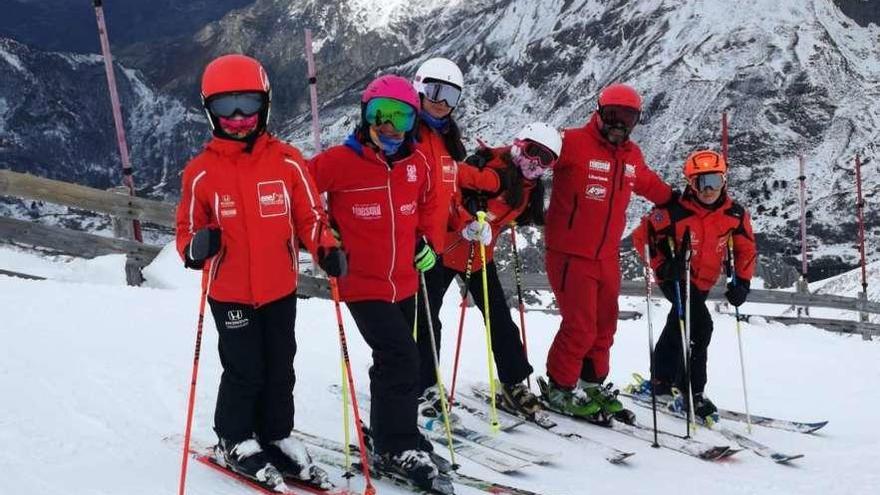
[
  {"x": 452, "y": 140},
  {"x": 512, "y": 184}
]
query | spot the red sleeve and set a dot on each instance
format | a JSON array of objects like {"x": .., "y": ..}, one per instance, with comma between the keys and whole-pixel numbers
[
  {"x": 745, "y": 253},
  {"x": 193, "y": 210},
  {"x": 640, "y": 237},
  {"x": 471, "y": 177},
  {"x": 428, "y": 204},
  {"x": 306, "y": 208},
  {"x": 650, "y": 186}
]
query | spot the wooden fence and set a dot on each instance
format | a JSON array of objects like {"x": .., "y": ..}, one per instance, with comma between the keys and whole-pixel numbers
[{"x": 124, "y": 208}]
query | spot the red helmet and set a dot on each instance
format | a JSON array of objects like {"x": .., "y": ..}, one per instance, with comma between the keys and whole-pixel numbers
[
  {"x": 234, "y": 74},
  {"x": 622, "y": 95}
]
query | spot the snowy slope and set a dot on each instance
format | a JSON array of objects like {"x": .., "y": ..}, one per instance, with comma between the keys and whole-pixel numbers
[{"x": 94, "y": 380}]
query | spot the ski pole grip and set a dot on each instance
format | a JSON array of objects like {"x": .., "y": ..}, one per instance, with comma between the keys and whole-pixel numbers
[{"x": 481, "y": 216}]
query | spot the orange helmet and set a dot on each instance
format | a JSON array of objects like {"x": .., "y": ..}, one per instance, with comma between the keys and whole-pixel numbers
[
  {"x": 704, "y": 162},
  {"x": 234, "y": 74}
]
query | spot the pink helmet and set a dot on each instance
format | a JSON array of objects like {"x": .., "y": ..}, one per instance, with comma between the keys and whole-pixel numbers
[{"x": 392, "y": 86}]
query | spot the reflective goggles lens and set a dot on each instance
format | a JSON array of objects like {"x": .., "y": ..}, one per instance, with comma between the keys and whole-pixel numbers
[
  {"x": 619, "y": 115},
  {"x": 537, "y": 151},
  {"x": 243, "y": 103},
  {"x": 714, "y": 181},
  {"x": 400, "y": 115},
  {"x": 438, "y": 91}
]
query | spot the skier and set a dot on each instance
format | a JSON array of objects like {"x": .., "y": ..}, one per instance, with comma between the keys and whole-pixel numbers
[
  {"x": 247, "y": 202},
  {"x": 710, "y": 217},
  {"x": 439, "y": 83},
  {"x": 377, "y": 186},
  {"x": 598, "y": 170},
  {"x": 534, "y": 151}
]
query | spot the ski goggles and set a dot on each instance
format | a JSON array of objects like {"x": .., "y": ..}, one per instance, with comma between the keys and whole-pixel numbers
[
  {"x": 703, "y": 182},
  {"x": 438, "y": 91},
  {"x": 244, "y": 103},
  {"x": 399, "y": 114},
  {"x": 617, "y": 115},
  {"x": 537, "y": 152}
]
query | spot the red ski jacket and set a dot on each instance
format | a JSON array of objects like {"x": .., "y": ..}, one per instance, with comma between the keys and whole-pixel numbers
[
  {"x": 447, "y": 176},
  {"x": 710, "y": 230},
  {"x": 592, "y": 185},
  {"x": 379, "y": 210},
  {"x": 498, "y": 215},
  {"x": 264, "y": 202}
]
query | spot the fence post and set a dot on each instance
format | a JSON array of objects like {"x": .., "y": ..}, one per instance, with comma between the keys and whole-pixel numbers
[{"x": 124, "y": 229}]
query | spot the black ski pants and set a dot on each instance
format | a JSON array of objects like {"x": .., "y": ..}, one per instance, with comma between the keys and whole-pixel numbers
[
  {"x": 668, "y": 361},
  {"x": 510, "y": 356},
  {"x": 257, "y": 346},
  {"x": 387, "y": 329}
]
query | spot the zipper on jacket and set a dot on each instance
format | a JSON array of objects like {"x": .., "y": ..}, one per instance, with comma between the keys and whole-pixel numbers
[
  {"x": 393, "y": 238},
  {"x": 617, "y": 172},
  {"x": 573, "y": 210}
]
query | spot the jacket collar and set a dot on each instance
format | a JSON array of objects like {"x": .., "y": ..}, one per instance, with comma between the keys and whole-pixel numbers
[{"x": 228, "y": 147}]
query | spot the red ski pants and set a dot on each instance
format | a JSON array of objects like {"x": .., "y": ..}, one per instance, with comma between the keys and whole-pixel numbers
[{"x": 586, "y": 292}]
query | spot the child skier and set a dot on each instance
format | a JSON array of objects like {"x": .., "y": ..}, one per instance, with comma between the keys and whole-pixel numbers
[
  {"x": 247, "y": 201},
  {"x": 377, "y": 186},
  {"x": 704, "y": 218}
]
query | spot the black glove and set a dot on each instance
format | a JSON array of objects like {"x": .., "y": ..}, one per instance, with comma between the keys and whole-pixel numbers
[
  {"x": 473, "y": 201},
  {"x": 671, "y": 270},
  {"x": 737, "y": 293},
  {"x": 672, "y": 199},
  {"x": 204, "y": 244},
  {"x": 674, "y": 267},
  {"x": 668, "y": 290},
  {"x": 333, "y": 261},
  {"x": 480, "y": 158}
]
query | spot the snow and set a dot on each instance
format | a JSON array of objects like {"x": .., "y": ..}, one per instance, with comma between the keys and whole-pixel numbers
[
  {"x": 12, "y": 60},
  {"x": 95, "y": 379}
]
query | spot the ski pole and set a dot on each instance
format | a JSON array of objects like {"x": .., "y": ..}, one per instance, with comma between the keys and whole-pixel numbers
[
  {"x": 742, "y": 364},
  {"x": 493, "y": 411},
  {"x": 692, "y": 425},
  {"x": 517, "y": 270},
  {"x": 444, "y": 404},
  {"x": 680, "y": 311},
  {"x": 192, "y": 384},
  {"x": 343, "y": 346},
  {"x": 464, "y": 293},
  {"x": 416, "y": 319},
  {"x": 648, "y": 282}
]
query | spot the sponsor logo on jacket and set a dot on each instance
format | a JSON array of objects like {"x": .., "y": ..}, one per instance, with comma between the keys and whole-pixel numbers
[
  {"x": 629, "y": 170},
  {"x": 449, "y": 168},
  {"x": 227, "y": 206},
  {"x": 411, "y": 172},
  {"x": 235, "y": 319},
  {"x": 600, "y": 165},
  {"x": 371, "y": 211},
  {"x": 408, "y": 209},
  {"x": 595, "y": 192},
  {"x": 272, "y": 199}
]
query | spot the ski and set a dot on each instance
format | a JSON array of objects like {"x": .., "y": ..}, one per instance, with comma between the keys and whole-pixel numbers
[
  {"x": 611, "y": 454},
  {"x": 467, "y": 443},
  {"x": 740, "y": 439},
  {"x": 665, "y": 439},
  {"x": 292, "y": 485},
  {"x": 333, "y": 453},
  {"x": 778, "y": 424},
  {"x": 505, "y": 423}
]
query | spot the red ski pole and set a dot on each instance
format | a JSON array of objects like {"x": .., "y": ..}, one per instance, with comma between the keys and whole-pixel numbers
[
  {"x": 365, "y": 463},
  {"x": 464, "y": 293},
  {"x": 127, "y": 171},
  {"x": 192, "y": 385}
]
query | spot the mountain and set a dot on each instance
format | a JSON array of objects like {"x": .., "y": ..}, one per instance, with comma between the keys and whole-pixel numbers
[{"x": 796, "y": 78}]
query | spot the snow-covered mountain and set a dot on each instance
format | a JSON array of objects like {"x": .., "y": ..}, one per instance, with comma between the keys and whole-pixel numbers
[{"x": 795, "y": 76}]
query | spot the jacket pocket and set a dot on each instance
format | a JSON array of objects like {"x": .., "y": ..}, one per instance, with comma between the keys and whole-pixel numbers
[
  {"x": 573, "y": 211},
  {"x": 564, "y": 274},
  {"x": 218, "y": 264}
]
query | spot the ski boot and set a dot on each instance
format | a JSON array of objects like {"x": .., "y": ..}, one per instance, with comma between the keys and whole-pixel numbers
[
  {"x": 519, "y": 399},
  {"x": 248, "y": 459},
  {"x": 606, "y": 396},
  {"x": 431, "y": 410},
  {"x": 641, "y": 388},
  {"x": 416, "y": 466},
  {"x": 571, "y": 402},
  {"x": 705, "y": 409},
  {"x": 292, "y": 459}
]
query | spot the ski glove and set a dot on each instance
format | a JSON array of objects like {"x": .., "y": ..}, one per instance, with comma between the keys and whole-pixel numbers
[
  {"x": 204, "y": 244},
  {"x": 476, "y": 232},
  {"x": 333, "y": 261},
  {"x": 425, "y": 256},
  {"x": 737, "y": 293},
  {"x": 672, "y": 269}
]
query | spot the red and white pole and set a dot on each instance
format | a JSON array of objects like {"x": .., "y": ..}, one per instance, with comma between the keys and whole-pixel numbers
[
  {"x": 802, "y": 178},
  {"x": 724, "y": 136},
  {"x": 127, "y": 177},
  {"x": 313, "y": 92}
]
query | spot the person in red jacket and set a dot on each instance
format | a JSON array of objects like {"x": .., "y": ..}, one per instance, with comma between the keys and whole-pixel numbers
[
  {"x": 707, "y": 216},
  {"x": 247, "y": 204},
  {"x": 534, "y": 151},
  {"x": 599, "y": 169},
  {"x": 382, "y": 206},
  {"x": 439, "y": 83}
]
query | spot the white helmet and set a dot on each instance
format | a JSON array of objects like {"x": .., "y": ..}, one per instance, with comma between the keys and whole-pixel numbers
[
  {"x": 441, "y": 69},
  {"x": 542, "y": 133}
]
